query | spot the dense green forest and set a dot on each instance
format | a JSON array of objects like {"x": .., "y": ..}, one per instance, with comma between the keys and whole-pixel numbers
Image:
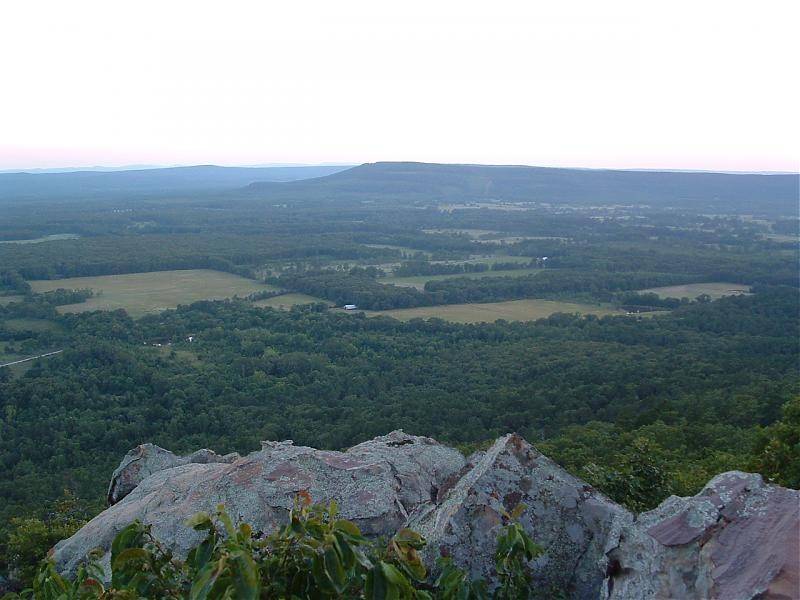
[
  {"x": 641, "y": 406},
  {"x": 707, "y": 374}
]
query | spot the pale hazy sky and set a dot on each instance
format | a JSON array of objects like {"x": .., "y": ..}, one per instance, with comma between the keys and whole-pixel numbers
[{"x": 675, "y": 84}]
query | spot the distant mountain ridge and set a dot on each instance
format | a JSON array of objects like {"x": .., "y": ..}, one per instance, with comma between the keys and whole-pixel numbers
[
  {"x": 142, "y": 167},
  {"x": 138, "y": 182},
  {"x": 470, "y": 183},
  {"x": 422, "y": 183}
]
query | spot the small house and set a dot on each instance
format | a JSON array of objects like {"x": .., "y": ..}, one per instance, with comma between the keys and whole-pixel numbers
[{"x": 350, "y": 307}]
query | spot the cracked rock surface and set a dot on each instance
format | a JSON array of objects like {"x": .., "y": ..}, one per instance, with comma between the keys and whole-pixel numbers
[
  {"x": 738, "y": 538},
  {"x": 574, "y": 522},
  {"x": 376, "y": 484},
  {"x": 146, "y": 459}
]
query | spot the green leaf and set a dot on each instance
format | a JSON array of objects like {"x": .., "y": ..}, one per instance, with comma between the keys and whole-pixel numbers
[
  {"x": 334, "y": 569},
  {"x": 246, "y": 578},
  {"x": 345, "y": 551},
  {"x": 392, "y": 574},
  {"x": 200, "y": 521},
  {"x": 411, "y": 537},
  {"x": 226, "y": 521},
  {"x": 130, "y": 537},
  {"x": 200, "y": 555},
  {"x": 348, "y": 527},
  {"x": 130, "y": 558},
  {"x": 320, "y": 574},
  {"x": 205, "y": 580}
]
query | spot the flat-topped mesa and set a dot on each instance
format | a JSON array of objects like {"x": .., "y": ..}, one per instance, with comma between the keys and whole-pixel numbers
[{"x": 737, "y": 538}]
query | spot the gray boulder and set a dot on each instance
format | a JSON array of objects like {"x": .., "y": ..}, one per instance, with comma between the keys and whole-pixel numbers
[
  {"x": 572, "y": 521},
  {"x": 376, "y": 484},
  {"x": 739, "y": 538},
  {"x": 146, "y": 459}
]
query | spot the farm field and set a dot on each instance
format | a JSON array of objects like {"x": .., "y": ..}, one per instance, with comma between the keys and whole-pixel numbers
[
  {"x": 473, "y": 233},
  {"x": 781, "y": 237},
  {"x": 46, "y": 238},
  {"x": 495, "y": 258},
  {"x": 418, "y": 281},
  {"x": 6, "y": 355},
  {"x": 31, "y": 324},
  {"x": 143, "y": 293},
  {"x": 513, "y": 310},
  {"x": 715, "y": 290},
  {"x": 405, "y": 250},
  {"x": 287, "y": 301}
]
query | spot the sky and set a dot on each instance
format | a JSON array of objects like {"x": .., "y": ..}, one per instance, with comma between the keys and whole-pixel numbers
[{"x": 700, "y": 84}]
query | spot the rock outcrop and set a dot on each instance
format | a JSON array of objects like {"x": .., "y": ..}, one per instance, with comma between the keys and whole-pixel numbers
[
  {"x": 737, "y": 538},
  {"x": 377, "y": 484},
  {"x": 146, "y": 459},
  {"x": 575, "y": 523}
]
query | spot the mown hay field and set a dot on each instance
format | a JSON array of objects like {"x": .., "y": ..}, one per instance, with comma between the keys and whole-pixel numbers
[
  {"x": 144, "y": 293},
  {"x": 715, "y": 289},
  {"x": 418, "y": 281},
  {"x": 287, "y": 301},
  {"x": 513, "y": 310}
]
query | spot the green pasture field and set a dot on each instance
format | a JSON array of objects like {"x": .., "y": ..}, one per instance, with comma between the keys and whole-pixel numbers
[
  {"x": 493, "y": 259},
  {"x": 31, "y": 324},
  {"x": 473, "y": 233},
  {"x": 6, "y": 356},
  {"x": 716, "y": 290},
  {"x": 513, "y": 310},
  {"x": 418, "y": 281},
  {"x": 144, "y": 293},
  {"x": 403, "y": 249},
  {"x": 47, "y": 238}
]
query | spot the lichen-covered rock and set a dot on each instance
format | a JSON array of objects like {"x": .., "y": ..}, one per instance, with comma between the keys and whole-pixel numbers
[
  {"x": 739, "y": 538},
  {"x": 146, "y": 459},
  {"x": 375, "y": 483},
  {"x": 572, "y": 521}
]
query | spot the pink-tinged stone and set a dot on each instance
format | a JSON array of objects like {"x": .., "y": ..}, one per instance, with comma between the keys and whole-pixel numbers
[
  {"x": 739, "y": 538},
  {"x": 375, "y": 484},
  {"x": 676, "y": 531}
]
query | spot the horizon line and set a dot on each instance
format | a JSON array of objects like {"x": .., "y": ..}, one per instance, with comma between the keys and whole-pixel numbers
[{"x": 99, "y": 168}]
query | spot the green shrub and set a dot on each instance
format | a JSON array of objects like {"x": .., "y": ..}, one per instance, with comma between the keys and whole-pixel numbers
[{"x": 316, "y": 555}]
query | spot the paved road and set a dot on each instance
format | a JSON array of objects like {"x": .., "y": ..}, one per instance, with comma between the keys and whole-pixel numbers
[{"x": 16, "y": 362}]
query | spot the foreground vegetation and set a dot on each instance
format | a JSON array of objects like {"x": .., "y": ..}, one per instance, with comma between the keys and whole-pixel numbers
[{"x": 315, "y": 555}]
